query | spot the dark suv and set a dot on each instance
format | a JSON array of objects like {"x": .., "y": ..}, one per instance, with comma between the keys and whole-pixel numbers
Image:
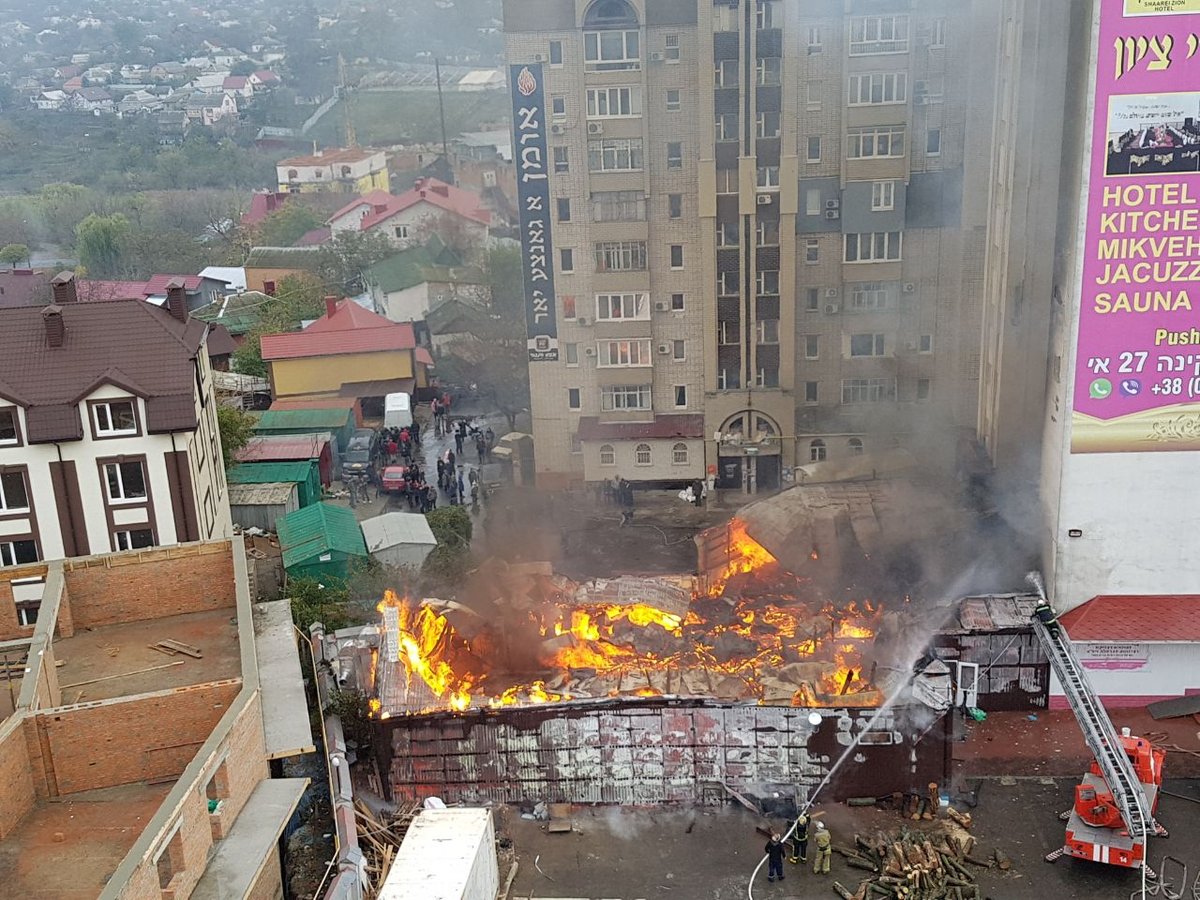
[{"x": 361, "y": 453}]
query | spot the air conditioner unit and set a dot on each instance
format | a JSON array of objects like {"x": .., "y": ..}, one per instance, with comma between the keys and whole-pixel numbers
[
  {"x": 909, "y": 287},
  {"x": 764, "y": 199},
  {"x": 583, "y": 320},
  {"x": 832, "y": 214},
  {"x": 595, "y": 128},
  {"x": 589, "y": 351},
  {"x": 558, "y": 129},
  {"x": 656, "y": 56},
  {"x": 539, "y": 57},
  {"x": 833, "y": 204},
  {"x": 664, "y": 349},
  {"x": 831, "y": 309},
  {"x": 661, "y": 306},
  {"x": 831, "y": 292}
]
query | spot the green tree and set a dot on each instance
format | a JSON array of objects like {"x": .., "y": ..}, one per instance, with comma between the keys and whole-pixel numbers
[
  {"x": 284, "y": 227},
  {"x": 298, "y": 297},
  {"x": 318, "y": 601},
  {"x": 348, "y": 255},
  {"x": 236, "y": 427},
  {"x": 242, "y": 67},
  {"x": 13, "y": 253},
  {"x": 100, "y": 242}
]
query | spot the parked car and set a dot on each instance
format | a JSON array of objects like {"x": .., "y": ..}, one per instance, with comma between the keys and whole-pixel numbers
[
  {"x": 393, "y": 479},
  {"x": 361, "y": 453}
]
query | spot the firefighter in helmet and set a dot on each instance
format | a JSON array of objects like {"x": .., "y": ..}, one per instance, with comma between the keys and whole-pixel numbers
[
  {"x": 1045, "y": 614},
  {"x": 800, "y": 841}
]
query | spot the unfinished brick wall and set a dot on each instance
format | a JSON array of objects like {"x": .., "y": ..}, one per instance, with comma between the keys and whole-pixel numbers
[
  {"x": 16, "y": 783},
  {"x": 169, "y": 581},
  {"x": 270, "y": 881},
  {"x": 190, "y": 861},
  {"x": 122, "y": 741},
  {"x": 10, "y": 627}
]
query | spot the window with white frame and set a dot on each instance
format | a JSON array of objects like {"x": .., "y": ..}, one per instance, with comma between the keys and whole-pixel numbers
[
  {"x": 924, "y": 388},
  {"x": 873, "y": 295},
  {"x": 925, "y": 343},
  {"x": 401, "y": 232},
  {"x": 674, "y": 154},
  {"x": 727, "y": 284},
  {"x": 676, "y": 256},
  {"x": 8, "y": 426},
  {"x": 868, "y": 390},
  {"x": 812, "y": 201},
  {"x": 817, "y": 450},
  {"x": 618, "y": 206},
  {"x": 625, "y": 397},
  {"x": 727, "y": 181},
  {"x": 620, "y": 256},
  {"x": 674, "y": 104},
  {"x": 726, "y": 127},
  {"x": 137, "y": 539},
  {"x": 813, "y": 93},
  {"x": 768, "y": 331},
  {"x": 126, "y": 481},
  {"x": 855, "y": 446},
  {"x": 14, "y": 493},
  {"x": 768, "y": 14},
  {"x": 768, "y": 125},
  {"x": 725, "y": 73},
  {"x": 571, "y": 354},
  {"x": 574, "y": 400},
  {"x": 678, "y": 302},
  {"x": 556, "y": 53},
  {"x": 678, "y": 350},
  {"x": 883, "y": 195},
  {"x": 114, "y": 417},
  {"x": 642, "y": 455},
  {"x": 767, "y": 178},
  {"x": 558, "y": 107},
  {"x": 878, "y": 88},
  {"x": 769, "y": 70},
  {"x": 681, "y": 396},
  {"x": 867, "y": 345},
  {"x": 726, "y": 17},
  {"x": 812, "y": 346},
  {"x": 767, "y": 281},
  {"x": 679, "y": 454},
  {"x": 812, "y": 251},
  {"x": 729, "y": 332},
  {"x": 671, "y": 48},
  {"x": 728, "y": 379},
  {"x": 728, "y": 234},
  {"x": 875, "y": 142},
  {"x": 873, "y": 246},
  {"x": 813, "y": 150},
  {"x": 610, "y": 51},
  {"x": 562, "y": 160},
  {"x": 624, "y": 354},
  {"x": 612, "y": 307},
  {"x": 608, "y": 455},
  {"x": 18, "y": 552},
  {"x": 814, "y": 39},
  {"x": 811, "y": 389},
  {"x": 875, "y": 35},
  {"x": 933, "y": 142},
  {"x": 614, "y": 102},
  {"x": 767, "y": 233},
  {"x": 615, "y": 155},
  {"x": 937, "y": 33}
]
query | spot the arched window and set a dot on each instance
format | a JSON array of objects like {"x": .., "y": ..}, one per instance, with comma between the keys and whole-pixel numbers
[
  {"x": 816, "y": 450},
  {"x": 293, "y": 174},
  {"x": 679, "y": 454},
  {"x": 641, "y": 454},
  {"x": 608, "y": 456},
  {"x": 856, "y": 446},
  {"x": 610, "y": 14}
]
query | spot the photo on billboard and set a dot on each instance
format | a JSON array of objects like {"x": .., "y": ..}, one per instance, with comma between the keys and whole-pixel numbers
[{"x": 1151, "y": 134}]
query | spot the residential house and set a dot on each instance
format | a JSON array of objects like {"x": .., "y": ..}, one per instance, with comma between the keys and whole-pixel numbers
[
  {"x": 267, "y": 266},
  {"x": 134, "y": 73},
  {"x": 209, "y": 110},
  {"x": 239, "y": 86},
  {"x": 344, "y": 171},
  {"x": 95, "y": 100},
  {"x": 51, "y": 100},
  {"x": 350, "y": 216},
  {"x": 201, "y": 290},
  {"x": 430, "y": 206},
  {"x": 262, "y": 204},
  {"x": 166, "y": 71},
  {"x": 172, "y": 126},
  {"x": 265, "y": 79},
  {"x": 65, "y": 72},
  {"x": 72, "y": 85},
  {"x": 348, "y": 352},
  {"x": 108, "y": 428},
  {"x": 24, "y": 287},
  {"x": 233, "y": 277},
  {"x": 138, "y": 102},
  {"x": 212, "y": 83},
  {"x": 406, "y": 286}
]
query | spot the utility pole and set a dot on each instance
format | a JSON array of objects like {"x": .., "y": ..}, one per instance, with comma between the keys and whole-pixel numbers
[{"x": 437, "y": 68}]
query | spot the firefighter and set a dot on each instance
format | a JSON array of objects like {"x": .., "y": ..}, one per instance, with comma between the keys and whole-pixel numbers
[
  {"x": 800, "y": 840},
  {"x": 821, "y": 859},
  {"x": 1045, "y": 614},
  {"x": 774, "y": 851}
]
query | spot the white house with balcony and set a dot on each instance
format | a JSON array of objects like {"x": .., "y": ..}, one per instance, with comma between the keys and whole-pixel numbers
[{"x": 108, "y": 428}]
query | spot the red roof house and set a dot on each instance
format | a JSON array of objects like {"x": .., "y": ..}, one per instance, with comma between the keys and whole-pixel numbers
[{"x": 400, "y": 217}]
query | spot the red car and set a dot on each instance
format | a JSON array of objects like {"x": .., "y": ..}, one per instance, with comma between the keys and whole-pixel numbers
[{"x": 394, "y": 479}]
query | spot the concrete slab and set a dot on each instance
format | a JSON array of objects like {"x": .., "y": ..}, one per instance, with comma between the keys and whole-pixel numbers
[
  {"x": 250, "y": 844},
  {"x": 285, "y": 710}
]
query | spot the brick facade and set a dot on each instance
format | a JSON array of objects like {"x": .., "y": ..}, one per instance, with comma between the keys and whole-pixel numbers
[{"x": 16, "y": 784}]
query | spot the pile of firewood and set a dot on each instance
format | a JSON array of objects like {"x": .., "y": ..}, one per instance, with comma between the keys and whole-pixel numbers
[
  {"x": 379, "y": 839},
  {"x": 915, "y": 866}
]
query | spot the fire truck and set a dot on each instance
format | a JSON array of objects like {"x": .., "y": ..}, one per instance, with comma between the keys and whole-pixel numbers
[{"x": 1113, "y": 814}]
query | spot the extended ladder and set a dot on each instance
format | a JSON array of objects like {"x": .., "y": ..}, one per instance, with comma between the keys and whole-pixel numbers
[{"x": 1098, "y": 732}]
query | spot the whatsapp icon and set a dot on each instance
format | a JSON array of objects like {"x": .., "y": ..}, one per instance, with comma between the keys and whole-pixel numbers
[{"x": 1100, "y": 389}]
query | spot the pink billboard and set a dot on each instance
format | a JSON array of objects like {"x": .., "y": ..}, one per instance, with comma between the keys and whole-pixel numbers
[{"x": 1137, "y": 373}]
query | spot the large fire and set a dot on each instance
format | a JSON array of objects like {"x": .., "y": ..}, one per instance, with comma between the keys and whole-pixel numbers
[{"x": 758, "y": 645}]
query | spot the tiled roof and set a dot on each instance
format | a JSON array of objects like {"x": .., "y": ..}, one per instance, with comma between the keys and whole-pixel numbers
[
  {"x": 430, "y": 190},
  {"x": 1161, "y": 617},
  {"x": 262, "y": 205},
  {"x": 314, "y": 238},
  {"x": 234, "y": 82},
  {"x": 89, "y": 290},
  {"x": 138, "y": 346},
  {"x": 373, "y": 198},
  {"x": 351, "y": 329},
  {"x": 592, "y": 429},
  {"x": 157, "y": 284}
]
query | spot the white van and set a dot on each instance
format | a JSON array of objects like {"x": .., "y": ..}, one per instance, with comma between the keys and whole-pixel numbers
[{"x": 397, "y": 411}]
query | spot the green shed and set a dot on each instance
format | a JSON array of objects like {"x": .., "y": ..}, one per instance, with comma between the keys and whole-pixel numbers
[
  {"x": 305, "y": 472},
  {"x": 340, "y": 422},
  {"x": 321, "y": 541}
]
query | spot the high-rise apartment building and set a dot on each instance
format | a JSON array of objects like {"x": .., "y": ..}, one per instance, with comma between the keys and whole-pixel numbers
[{"x": 770, "y": 225}]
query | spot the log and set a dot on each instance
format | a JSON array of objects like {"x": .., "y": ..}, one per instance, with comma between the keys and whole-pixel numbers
[
  {"x": 842, "y": 891},
  {"x": 857, "y": 862},
  {"x": 1002, "y": 860},
  {"x": 963, "y": 819}
]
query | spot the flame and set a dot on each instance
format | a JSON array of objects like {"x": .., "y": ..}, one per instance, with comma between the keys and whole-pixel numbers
[
  {"x": 423, "y": 637},
  {"x": 745, "y": 555}
]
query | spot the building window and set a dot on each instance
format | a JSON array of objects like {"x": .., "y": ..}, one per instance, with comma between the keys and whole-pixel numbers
[
  {"x": 814, "y": 39},
  {"x": 625, "y": 397},
  {"x": 558, "y": 106},
  {"x": 114, "y": 418},
  {"x": 674, "y": 155},
  {"x": 625, "y": 354},
  {"x": 671, "y": 48},
  {"x": 812, "y": 94},
  {"x": 621, "y": 256},
  {"x": 812, "y": 346},
  {"x": 609, "y": 51},
  {"x": 878, "y": 88},
  {"x": 812, "y": 299},
  {"x": 622, "y": 306},
  {"x": 677, "y": 256},
  {"x": 816, "y": 450},
  {"x": 678, "y": 350},
  {"x": 768, "y": 15},
  {"x": 768, "y": 124},
  {"x": 17, "y": 553},
  {"x": 812, "y": 201},
  {"x": 615, "y": 155},
  {"x": 566, "y": 260},
  {"x": 768, "y": 331},
  {"x": 564, "y": 209},
  {"x": 925, "y": 343},
  {"x": 876, "y": 142},
  {"x": 812, "y": 250},
  {"x": 679, "y": 454},
  {"x": 728, "y": 380},
  {"x": 923, "y": 388},
  {"x": 401, "y": 232},
  {"x": 618, "y": 206},
  {"x": 573, "y": 400},
  {"x": 810, "y": 391},
  {"x": 767, "y": 178},
  {"x": 14, "y": 494},
  {"x": 937, "y": 33},
  {"x": 137, "y": 539},
  {"x": 726, "y": 127},
  {"x": 931, "y": 90},
  {"x": 562, "y": 160},
  {"x": 171, "y": 861},
  {"x": 27, "y": 614},
  {"x": 767, "y": 281},
  {"x": 126, "y": 481},
  {"x": 767, "y": 233},
  {"x": 678, "y": 302},
  {"x": 568, "y": 306},
  {"x": 675, "y": 206},
  {"x": 608, "y": 456},
  {"x": 556, "y": 54},
  {"x": 855, "y": 446},
  {"x": 872, "y": 295},
  {"x": 874, "y": 35},
  {"x": 269, "y": 288},
  {"x": 873, "y": 246},
  {"x": 933, "y": 142},
  {"x": 571, "y": 354},
  {"x": 681, "y": 396},
  {"x": 614, "y": 102},
  {"x": 883, "y": 195},
  {"x": 673, "y": 102},
  {"x": 813, "y": 154},
  {"x": 868, "y": 390},
  {"x": 641, "y": 455},
  {"x": 8, "y": 427},
  {"x": 727, "y": 284},
  {"x": 769, "y": 69},
  {"x": 728, "y": 333},
  {"x": 866, "y": 344},
  {"x": 727, "y": 181},
  {"x": 725, "y": 74}
]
